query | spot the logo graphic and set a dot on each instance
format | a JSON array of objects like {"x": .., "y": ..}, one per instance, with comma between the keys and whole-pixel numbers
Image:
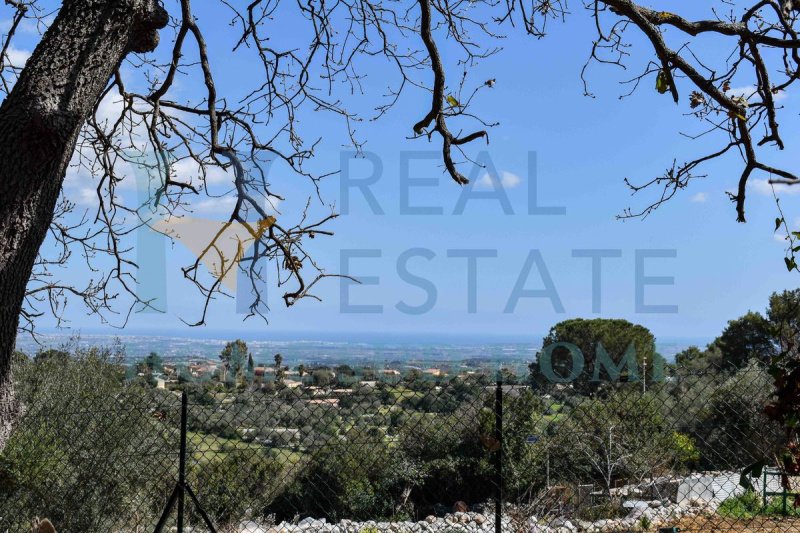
[{"x": 221, "y": 247}]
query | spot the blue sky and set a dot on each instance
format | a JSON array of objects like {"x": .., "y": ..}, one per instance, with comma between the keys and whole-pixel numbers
[{"x": 584, "y": 147}]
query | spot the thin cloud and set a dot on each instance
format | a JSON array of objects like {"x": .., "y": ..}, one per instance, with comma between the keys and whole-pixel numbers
[
  {"x": 699, "y": 198},
  {"x": 780, "y": 233},
  {"x": 188, "y": 170},
  {"x": 508, "y": 180},
  {"x": 748, "y": 91},
  {"x": 17, "y": 57},
  {"x": 226, "y": 204},
  {"x": 763, "y": 187},
  {"x": 30, "y": 26},
  {"x": 214, "y": 206},
  {"x": 83, "y": 197}
]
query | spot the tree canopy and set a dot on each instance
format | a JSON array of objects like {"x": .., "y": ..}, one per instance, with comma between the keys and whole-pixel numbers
[
  {"x": 746, "y": 338},
  {"x": 615, "y": 337},
  {"x": 235, "y": 357}
]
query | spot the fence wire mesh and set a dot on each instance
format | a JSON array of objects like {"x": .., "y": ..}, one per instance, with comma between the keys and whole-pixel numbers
[{"x": 96, "y": 452}]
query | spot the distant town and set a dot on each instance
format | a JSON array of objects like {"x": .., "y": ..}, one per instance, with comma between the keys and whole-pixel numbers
[{"x": 316, "y": 379}]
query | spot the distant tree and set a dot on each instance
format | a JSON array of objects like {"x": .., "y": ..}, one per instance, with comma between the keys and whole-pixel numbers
[
  {"x": 233, "y": 357},
  {"x": 783, "y": 314},
  {"x": 199, "y": 393},
  {"x": 345, "y": 375},
  {"x": 154, "y": 362},
  {"x": 345, "y": 370},
  {"x": 508, "y": 377},
  {"x": 51, "y": 355},
  {"x": 322, "y": 377},
  {"x": 616, "y": 337},
  {"x": 280, "y": 372},
  {"x": 693, "y": 360},
  {"x": 688, "y": 356},
  {"x": 301, "y": 369},
  {"x": 749, "y": 337},
  {"x": 251, "y": 366},
  {"x": 414, "y": 375}
]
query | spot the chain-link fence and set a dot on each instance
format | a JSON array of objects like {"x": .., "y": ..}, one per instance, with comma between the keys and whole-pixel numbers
[{"x": 94, "y": 452}]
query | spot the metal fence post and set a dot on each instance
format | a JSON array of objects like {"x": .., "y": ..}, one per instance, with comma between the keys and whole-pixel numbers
[
  {"x": 498, "y": 457},
  {"x": 182, "y": 460},
  {"x": 182, "y": 487}
]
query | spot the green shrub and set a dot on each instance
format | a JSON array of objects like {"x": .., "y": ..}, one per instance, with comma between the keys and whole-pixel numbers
[
  {"x": 747, "y": 505},
  {"x": 240, "y": 482},
  {"x": 606, "y": 510},
  {"x": 750, "y": 505},
  {"x": 775, "y": 507}
]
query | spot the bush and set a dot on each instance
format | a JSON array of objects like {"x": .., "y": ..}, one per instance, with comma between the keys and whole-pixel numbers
[
  {"x": 83, "y": 452},
  {"x": 747, "y": 505},
  {"x": 241, "y": 482}
]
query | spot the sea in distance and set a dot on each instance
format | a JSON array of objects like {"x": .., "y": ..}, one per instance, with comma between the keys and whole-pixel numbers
[{"x": 357, "y": 349}]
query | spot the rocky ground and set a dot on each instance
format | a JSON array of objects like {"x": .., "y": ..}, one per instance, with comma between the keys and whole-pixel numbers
[
  {"x": 689, "y": 518},
  {"x": 653, "y": 513}
]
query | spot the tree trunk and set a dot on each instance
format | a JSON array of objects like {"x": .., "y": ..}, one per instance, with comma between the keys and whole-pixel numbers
[{"x": 39, "y": 125}]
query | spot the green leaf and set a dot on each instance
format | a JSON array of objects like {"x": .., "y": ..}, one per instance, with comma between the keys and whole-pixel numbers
[
  {"x": 790, "y": 263},
  {"x": 778, "y": 223},
  {"x": 662, "y": 82}
]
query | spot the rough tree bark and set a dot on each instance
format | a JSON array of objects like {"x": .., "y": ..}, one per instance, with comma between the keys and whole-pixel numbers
[{"x": 39, "y": 125}]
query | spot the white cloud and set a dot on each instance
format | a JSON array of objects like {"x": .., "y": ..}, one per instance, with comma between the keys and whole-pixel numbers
[
  {"x": 508, "y": 180},
  {"x": 75, "y": 177},
  {"x": 699, "y": 198},
  {"x": 225, "y": 204},
  {"x": 109, "y": 110},
  {"x": 79, "y": 177},
  {"x": 214, "y": 206},
  {"x": 17, "y": 57},
  {"x": 83, "y": 197},
  {"x": 27, "y": 25},
  {"x": 748, "y": 91},
  {"x": 188, "y": 169},
  {"x": 780, "y": 233},
  {"x": 763, "y": 187}
]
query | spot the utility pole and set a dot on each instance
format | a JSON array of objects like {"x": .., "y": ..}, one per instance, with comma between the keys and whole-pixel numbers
[
  {"x": 548, "y": 469},
  {"x": 609, "y": 475},
  {"x": 644, "y": 375}
]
